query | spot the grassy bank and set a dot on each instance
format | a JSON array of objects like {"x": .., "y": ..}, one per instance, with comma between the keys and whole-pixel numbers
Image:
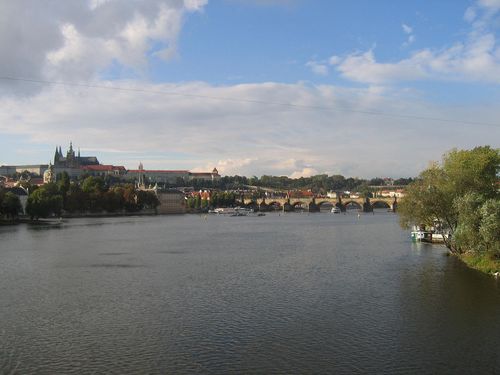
[{"x": 483, "y": 263}]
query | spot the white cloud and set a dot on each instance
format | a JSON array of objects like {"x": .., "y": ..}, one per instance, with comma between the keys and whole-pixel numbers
[
  {"x": 305, "y": 172},
  {"x": 76, "y": 40},
  {"x": 475, "y": 59},
  {"x": 470, "y": 14},
  {"x": 317, "y": 67},
  {"x": 247, "y": 138},
  {"x": 226, "y": 167},
  {"x": 407, "y": 29},
  {"x": 493, "y": 4},
  {"x": 364, "y": 68},
  {"x": 334, "y": 60}
]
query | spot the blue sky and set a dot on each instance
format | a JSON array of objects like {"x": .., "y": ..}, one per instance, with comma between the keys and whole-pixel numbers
[
  {"x": 240, "y": 41},
  {"x": 210, "y": 77}
]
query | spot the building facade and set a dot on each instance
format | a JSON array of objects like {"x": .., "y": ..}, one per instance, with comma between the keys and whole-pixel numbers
[
  {"x": 104, "y": 170},
  {"x": 72, "y": 160},
  {"x": 158, "y": 176},
  {"x": 36, "y": 169}
]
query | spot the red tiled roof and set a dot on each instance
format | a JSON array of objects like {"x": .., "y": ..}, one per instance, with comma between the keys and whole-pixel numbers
[
  {"x": 104, "y": 168},
  {"x": 154, "y": 171}
]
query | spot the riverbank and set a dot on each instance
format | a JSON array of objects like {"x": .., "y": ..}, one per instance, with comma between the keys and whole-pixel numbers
[
  {"x": 52, "y": 219},
  {"x": 480, "y": 263}
]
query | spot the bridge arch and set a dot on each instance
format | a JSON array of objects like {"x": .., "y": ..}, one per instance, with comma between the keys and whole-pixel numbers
[
  {"x": 380, "y": 204},
  {"x": 325, "y": 205},
  {"x": 352, "y": 204},
  {"x": 299, "y": 205},
  {"x": 275, "y": 205}
]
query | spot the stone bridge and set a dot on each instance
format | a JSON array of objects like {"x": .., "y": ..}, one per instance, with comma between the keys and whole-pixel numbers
[{"x": 317, "y": 204}]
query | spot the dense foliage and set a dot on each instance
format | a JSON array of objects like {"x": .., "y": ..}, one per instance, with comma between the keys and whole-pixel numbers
[
  {"x": 92, "y": 194},
  {"x": 463, "y": 196},
  {"x": 217, "y": 199},
  {"x": 318, "y": 184},
  {"x": 10, "y": 205}
]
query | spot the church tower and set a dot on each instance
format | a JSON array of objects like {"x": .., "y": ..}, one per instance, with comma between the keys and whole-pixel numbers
[
  {"x": 56, "y": 156},
  {"x": 71, "y": 160}
]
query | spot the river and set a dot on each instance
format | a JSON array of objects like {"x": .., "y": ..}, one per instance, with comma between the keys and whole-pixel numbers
[{"x": 292, "y": 293}]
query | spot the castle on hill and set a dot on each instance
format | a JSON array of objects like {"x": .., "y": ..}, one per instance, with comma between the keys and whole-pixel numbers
[
  {"x": 72, "y": 160},
  {"x": 76, "y": 165}
]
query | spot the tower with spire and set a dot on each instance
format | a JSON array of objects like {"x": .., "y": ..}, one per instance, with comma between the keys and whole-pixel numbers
[{"x": 72, "y": 159}]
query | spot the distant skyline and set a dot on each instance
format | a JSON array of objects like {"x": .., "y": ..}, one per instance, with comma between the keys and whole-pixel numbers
[{"x": 251, "y": 87}]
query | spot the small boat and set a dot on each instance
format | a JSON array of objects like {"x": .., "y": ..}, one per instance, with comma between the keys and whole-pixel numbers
[
  {"x": 421, "y": 235},
  {"x": 236, "y": 211},
  {"x": 335, "y": 210}
]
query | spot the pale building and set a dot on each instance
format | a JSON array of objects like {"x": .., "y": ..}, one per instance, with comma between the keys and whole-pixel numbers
[
  {"x": 160, "y": 176},
  {"x": 104, "y": 170},
  {"x": 36, "y": 169}
]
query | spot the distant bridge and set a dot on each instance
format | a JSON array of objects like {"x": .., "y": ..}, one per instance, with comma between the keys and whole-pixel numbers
[{"x": 317, "y": 204}]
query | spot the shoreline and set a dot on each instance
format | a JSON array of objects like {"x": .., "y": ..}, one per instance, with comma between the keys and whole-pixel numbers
[
  {"x": 481, "y": 263},
  {"x": 56, "y": 219}
]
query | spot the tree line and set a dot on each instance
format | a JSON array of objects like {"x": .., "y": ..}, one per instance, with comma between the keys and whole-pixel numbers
[
  {"x": 10, "y": 205},
  {"x": 319, "y": 184},
  {"x": 217, "y": 199},
  {"x": 462, "y": 196},
  {"x": 91, "y": 194}
]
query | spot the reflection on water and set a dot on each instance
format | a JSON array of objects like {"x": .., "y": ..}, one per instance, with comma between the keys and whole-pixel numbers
[{"x": 295, "y": 293}]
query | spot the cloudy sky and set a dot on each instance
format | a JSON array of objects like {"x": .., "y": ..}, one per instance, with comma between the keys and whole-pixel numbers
[{"x": 284, "y": 87}]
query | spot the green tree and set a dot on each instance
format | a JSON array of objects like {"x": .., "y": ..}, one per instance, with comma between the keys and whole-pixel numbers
[
  {"x": 490, "y": 226},
  {"x": 44, "y": 202},
  {"x": 76, "y": 200},
  {"x": 365, "y": 190},
  {"x": 93, "y": 185},
  {"x": 10, "y": 205},
  {"x": 453, "y": 195},
  {"x": 63, "y": 184},
  {"x": 197, "y": 202},
  {"x": 147, "y": 199}
]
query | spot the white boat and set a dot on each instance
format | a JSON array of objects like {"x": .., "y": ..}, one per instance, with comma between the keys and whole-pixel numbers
[
  {"x": 335, "y": 210},
  {"x": 232, "y": 211},
  {"x": 420, "y": 235},
  {"x": 434, "y": 234}
]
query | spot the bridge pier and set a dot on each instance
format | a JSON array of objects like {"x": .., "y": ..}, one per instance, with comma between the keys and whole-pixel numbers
[
  {"x": 263, "y": 206},
  {"x": 394, "y": 205},
  {"x": 313, "y": 207},
  {"x": 340, "y": 205},
  {"x": 367, "y": 207},
  {"x": 287, "y": 207}
]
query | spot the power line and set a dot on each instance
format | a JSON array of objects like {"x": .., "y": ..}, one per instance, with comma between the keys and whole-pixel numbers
[{"x": 253, "y": 101}]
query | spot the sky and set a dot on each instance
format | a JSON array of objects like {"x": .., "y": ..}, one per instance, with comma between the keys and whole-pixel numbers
[{"x": 281, "y": 87}]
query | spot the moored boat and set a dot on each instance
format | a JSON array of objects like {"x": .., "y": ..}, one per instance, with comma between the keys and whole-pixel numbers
[{"x": 419, "y": 234}]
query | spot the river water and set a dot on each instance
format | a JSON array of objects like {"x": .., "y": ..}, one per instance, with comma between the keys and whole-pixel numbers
[{"x": 293, "y": 293}]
